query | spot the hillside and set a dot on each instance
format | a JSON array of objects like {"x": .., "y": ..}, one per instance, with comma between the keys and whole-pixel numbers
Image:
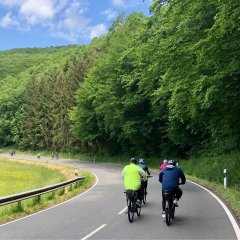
[
  {"x": 24, "y": 58},
  {"x": 37, "y": 92}
]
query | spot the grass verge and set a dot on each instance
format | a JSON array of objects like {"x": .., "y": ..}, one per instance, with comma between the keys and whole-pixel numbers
[{"x": 13, "y": 211}]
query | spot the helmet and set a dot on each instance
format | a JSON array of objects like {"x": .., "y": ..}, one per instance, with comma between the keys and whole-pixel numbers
[
  {"x": 165, "y": 160},
  {"x": 171, "y": 162},
  {"x": 141, "y": 160},
  {"x": 133, "y": 160}
]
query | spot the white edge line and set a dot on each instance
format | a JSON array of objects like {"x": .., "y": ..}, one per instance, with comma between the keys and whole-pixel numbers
[
  {"x": 93, "y": 232},
  {"x": 229, "y": 214},
  {"x": 123, "y": 210},
  {"x": 19, "y": 219}
]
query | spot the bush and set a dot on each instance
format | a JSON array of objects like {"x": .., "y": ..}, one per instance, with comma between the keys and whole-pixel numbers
[{"x": 210, "y": 167}]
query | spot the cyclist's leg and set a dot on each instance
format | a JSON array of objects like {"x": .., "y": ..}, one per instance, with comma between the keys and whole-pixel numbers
[
  {"x": 139, "y": 194},
  {"x": 141, "y": 191},
  {"x": 145, "y": 185},
  {"x": 178, "y": 193},
  {"x": 163, "y": 202}
]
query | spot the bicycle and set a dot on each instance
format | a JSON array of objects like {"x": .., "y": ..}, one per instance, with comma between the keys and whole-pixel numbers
[
  {"x": 133, "y": 206},
  {"x": 170, "y": 206}
]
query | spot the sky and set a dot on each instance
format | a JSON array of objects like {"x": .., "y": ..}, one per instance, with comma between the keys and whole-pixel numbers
[{"x": 45, "y": 23}]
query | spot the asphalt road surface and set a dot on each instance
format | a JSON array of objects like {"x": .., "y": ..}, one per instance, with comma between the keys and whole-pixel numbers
[{"x": 99, "y": 213}]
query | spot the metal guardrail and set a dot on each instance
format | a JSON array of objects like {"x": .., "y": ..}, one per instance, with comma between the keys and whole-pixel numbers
[{"x": 37, "y": 192}]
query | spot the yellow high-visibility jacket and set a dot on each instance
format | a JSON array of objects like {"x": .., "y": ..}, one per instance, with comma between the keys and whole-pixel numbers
[{"x": 132, "y": 176}]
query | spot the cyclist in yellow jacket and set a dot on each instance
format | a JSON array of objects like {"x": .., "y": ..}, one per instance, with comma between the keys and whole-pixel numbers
[{"x": 133, "y": 175}]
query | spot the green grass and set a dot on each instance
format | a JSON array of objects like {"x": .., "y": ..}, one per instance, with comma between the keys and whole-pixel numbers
[
  {"x": 210, "y": 167},
  {"x": 19, "y": 177}
]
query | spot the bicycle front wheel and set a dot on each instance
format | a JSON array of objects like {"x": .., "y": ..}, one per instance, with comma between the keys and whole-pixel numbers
[{"x": 130, "y": 210}]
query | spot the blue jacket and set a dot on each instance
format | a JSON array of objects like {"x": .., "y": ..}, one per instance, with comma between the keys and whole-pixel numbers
[{"x": 170, "y": 176}]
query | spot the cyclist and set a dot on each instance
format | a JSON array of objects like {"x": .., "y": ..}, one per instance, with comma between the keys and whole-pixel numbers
[
  {"x": 169, "y": 177},
  {"x": 143, "y": 165},
  {"x": 145, "y": 168},
  {"x": 164, "y": 164},
  {"x": 132, "y": 175}
]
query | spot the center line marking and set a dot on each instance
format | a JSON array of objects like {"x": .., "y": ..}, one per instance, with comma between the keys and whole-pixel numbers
[
  {"x": 123, "y": 210},
  {"x": 93, "y": 232}
]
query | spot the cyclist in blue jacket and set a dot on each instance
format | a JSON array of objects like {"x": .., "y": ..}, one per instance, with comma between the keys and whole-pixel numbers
[
  {"x": 144, "y": 166},
  {"x": 169, "y": 177}
]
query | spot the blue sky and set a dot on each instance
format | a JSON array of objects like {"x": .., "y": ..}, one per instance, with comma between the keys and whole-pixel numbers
[{"x": 44, "y": 23}]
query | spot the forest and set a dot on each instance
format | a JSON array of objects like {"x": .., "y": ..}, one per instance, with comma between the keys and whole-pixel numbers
[{"x": 160, "y": 85}]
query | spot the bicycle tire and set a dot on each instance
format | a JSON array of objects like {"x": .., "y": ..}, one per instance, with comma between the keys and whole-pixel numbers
[
  {"x": 127, "y": 200},
  {"x": 139, "y": 207},
  {"x": 173, "y": 211},
  {"x": 168, "y": 213},
  {"x": 144, "y": 196},
  {"x": 130, "y": 211}
]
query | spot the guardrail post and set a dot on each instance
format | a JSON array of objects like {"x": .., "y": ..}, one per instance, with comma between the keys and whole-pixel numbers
[
  {"x": 53, "y": 194},
  {"x": 75, "y": 171},
  {"x": 225, "y": 178},
  {"x": 38, "y": 198},
  {"x": 19, "y": 205}
]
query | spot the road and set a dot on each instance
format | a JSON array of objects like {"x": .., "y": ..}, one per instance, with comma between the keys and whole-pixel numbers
[{"x": 99, "y": 214}]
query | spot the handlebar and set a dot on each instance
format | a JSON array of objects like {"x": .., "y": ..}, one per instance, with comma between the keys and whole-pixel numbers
[{"x": 180, "y": 183}]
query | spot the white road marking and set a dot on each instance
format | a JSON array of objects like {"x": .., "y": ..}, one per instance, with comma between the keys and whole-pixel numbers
[
  {"x": 1, "y": 225},
  {"x": 229, "y": 214},
  {"x": 93, "y": 232},
  {"x": 123, "y": 210}
]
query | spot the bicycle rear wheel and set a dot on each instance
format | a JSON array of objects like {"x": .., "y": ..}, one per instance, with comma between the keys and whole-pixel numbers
[
  {"x": 130, "y": 210},
  {"x": 168, "y": 213},
  {"x": 127, "y": 199},
  {"x": 144, "y": 195},
  {"x": 139, "y": 207},
  {"x": 173, "y": 211}
]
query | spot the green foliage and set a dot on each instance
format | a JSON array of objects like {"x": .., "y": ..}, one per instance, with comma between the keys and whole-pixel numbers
[
  {"x": 23, "y": 59},
  {"x": 162, "y": 85},
  {"x": 11, "y": 100},
  {"x": 107, "y": 98},
  {"x": 38, "y": 101},
  {"x": 210, "y": 167}
]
